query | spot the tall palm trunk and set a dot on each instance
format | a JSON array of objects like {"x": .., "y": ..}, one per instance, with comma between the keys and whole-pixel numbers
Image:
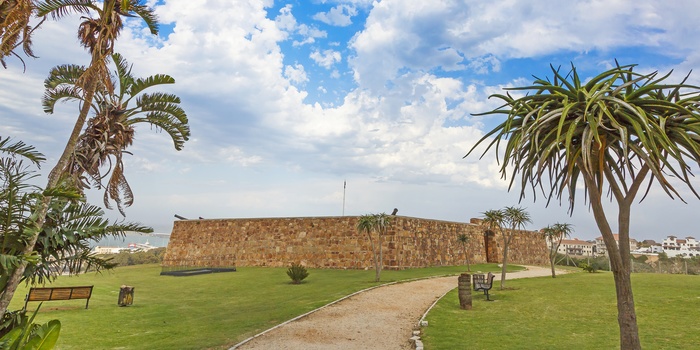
[{"x": 40, "y": 214}]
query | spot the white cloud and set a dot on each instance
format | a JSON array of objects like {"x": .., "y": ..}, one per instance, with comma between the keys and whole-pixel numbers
[
  {"x": 296, "y": 73},
  {"x": 326, "y": 59},
  {"x": 401, "y": 35},
  {"x": 484, "y": 65},
  {"x": 235, "y": 155},
  {"x": 309, "y": 35},
  {"x": 286, "y": 22},
  {"x": 340, "y": 15}
]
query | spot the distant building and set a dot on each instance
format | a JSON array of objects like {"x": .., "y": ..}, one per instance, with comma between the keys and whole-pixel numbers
[
  {"x": 132, "y": 247},
  {"x": 577, "y": 247},
  {"x": 108, "y": 250},
  {"x": 674, "y": 246},
  {"x": 602, "y": 250},
  {"x": 674, "y": 243}
]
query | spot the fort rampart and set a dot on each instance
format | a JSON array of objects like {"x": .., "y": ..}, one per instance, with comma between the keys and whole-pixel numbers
[{"x": 334, "y": 242}]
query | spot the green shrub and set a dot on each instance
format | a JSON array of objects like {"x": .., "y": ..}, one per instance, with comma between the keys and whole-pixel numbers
[
  {"x": 297, "y": 273},
  {"x": 588, "y": 268},
  {"x": 22, "y": 333}
]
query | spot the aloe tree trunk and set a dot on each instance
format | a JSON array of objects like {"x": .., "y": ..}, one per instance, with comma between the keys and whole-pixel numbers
[
  {"x": 553, "y": 255},
  {"x": 378, "y": 264},
  {"x": 40, "y": 214},
  {"x": 374, "y": 256},
  {"x": 618, "y": 257},
  {"x": 504, "y": 263},
  {"x": 466, "y": 256}
]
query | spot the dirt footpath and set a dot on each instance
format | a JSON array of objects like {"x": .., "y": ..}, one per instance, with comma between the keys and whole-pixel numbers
[{"x": 381, "y": 318}]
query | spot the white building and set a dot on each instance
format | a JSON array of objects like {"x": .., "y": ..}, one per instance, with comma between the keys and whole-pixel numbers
[
  {"x": 602, "y": 250},
  {"x": 108, "y": 250},
  {"x": 576, "y": 247},
  {"x": 674, "y": 246},
  {"x": 133, "y": 247}
]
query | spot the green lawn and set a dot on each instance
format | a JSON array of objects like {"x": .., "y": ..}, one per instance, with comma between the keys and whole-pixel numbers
[
  {"x": 576, "y": 311},
  {"x": 198, "y": 312}
]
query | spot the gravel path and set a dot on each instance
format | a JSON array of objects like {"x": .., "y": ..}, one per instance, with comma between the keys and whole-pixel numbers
[{"x": 381, "y": 318}]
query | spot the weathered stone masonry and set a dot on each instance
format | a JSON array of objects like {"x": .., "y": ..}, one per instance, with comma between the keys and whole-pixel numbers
[{"x": 333, "y": 242}]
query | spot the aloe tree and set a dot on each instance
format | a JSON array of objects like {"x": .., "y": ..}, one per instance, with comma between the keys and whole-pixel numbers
[
  {"x": 366, "y": 224},
  {"x": 515, "y": 218},
  {"x": 554, "y": 234},
  {"x": 614, "y": 132},
  {"x": 112, "y": 128},
  {"x": 378, "y": 223},
  {"x": 463, "y": 239},
  {"x": 382, "y": 222},
  {"x": 98, "y": 32}
]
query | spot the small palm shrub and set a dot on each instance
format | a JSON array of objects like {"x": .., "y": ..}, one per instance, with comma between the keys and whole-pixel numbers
[
  {"x": 297, "y": 273},
  {"x": 588, "y": 268}
]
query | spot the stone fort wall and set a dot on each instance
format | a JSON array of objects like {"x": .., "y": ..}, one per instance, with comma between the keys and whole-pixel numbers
[{"x": 333, "y": 242}]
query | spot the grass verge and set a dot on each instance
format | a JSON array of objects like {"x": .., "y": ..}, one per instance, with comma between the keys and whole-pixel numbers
[
  {"x": 212, "y": 311},
  {"x": 574, "y": 311}
]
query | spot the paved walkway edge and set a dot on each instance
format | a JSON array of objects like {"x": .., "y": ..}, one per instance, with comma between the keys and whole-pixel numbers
[{"x": 335, "y": 302}]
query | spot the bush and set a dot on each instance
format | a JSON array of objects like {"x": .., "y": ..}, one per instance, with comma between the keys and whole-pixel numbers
[
  {"x": 588, "y": 268},
  {"x": 297, "y": 273}
]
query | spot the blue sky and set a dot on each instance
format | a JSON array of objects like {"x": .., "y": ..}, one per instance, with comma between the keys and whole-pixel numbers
[{"x": 289, "y": 99}]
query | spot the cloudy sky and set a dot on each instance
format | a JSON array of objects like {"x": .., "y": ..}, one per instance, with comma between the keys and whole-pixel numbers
[{"x": 288, "y": 100}]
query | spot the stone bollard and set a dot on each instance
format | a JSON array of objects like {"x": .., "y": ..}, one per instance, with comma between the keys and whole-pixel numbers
[{"x": 464, "y": 290}]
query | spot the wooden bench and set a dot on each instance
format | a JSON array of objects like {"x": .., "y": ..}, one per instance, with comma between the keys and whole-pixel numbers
[
  {"x": 59, "y": 293},
  {"x": 483, "y": 283}
]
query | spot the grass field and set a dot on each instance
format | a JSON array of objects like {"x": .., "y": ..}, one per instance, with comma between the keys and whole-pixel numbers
[
  {"x": 199, "y": 312},
  {"x": 576, "y": 311}
]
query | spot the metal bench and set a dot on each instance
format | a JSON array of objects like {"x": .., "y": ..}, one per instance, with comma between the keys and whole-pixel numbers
[
  {"x": 483, "y": 283},
  {"x": 58, "y": 293}
]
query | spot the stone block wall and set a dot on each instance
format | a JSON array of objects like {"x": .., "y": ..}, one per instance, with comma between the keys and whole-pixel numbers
[{"x": 333, "y": 242}]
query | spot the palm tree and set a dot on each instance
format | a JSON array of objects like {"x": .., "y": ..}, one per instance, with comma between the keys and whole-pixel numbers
[
  {"x": 112, "y": 129},
  {"x": 375, "y": 223},
  {"x": 71, "y": 224},
  {"x": 464, "y": 239},
  {"x": 554, "y": 234},
  {"x": 515, "y": 218},
  {"x": 17, "y": 199},
  {"x": 97, "y": 34},
  {"x": 63, "y": 245},
  {"x": 615, "y": 132}
]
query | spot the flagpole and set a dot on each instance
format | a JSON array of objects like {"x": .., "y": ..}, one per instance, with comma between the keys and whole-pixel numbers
[{"x": 345, "y": 184}]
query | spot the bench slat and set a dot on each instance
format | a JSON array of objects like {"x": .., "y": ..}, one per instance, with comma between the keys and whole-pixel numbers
[{"x": 59, "y": 293}]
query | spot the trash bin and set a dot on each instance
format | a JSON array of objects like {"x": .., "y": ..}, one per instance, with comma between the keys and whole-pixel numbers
[
  {"x": 126, "y": 295},
  {"x": 464, "y": 291}
]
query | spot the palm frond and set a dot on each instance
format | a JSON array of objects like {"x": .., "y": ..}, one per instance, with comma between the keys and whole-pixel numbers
[
  {"x": 20, "y": 149},
  {"x": 61, "y": 8}
]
